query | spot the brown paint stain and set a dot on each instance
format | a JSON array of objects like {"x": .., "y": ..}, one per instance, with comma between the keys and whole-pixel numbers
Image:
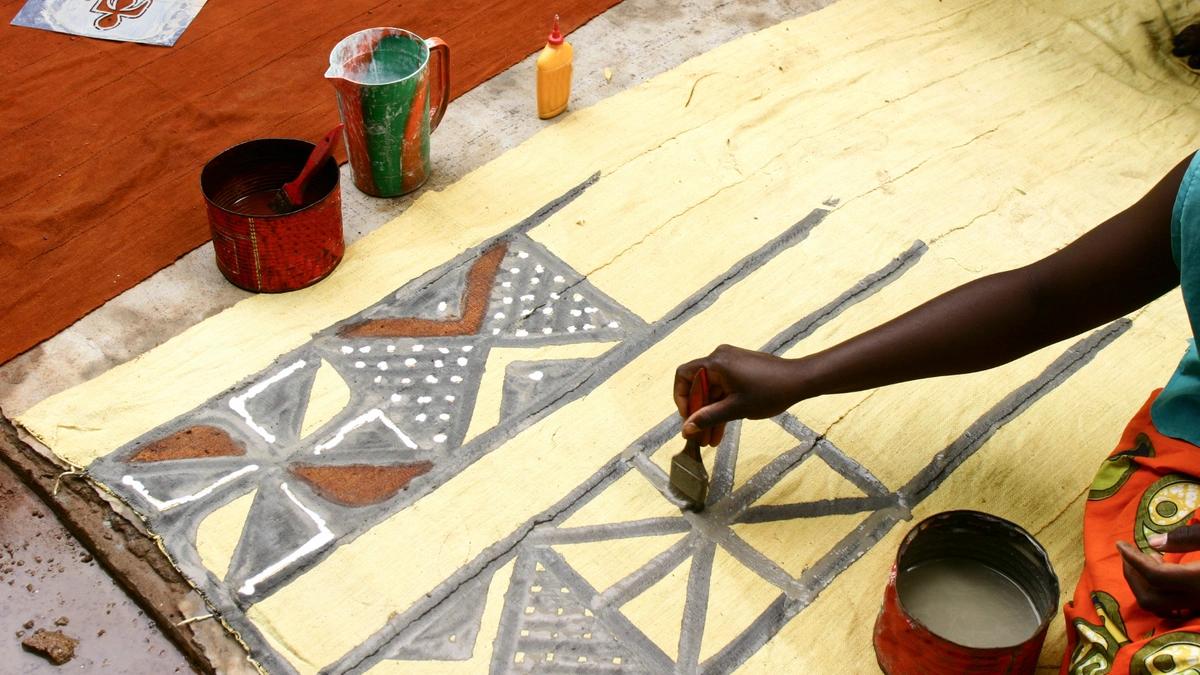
[
  {"x": 196, "y": 442},
  {"x": 359, "y": 484},
  {"x": 473, "y": 306}
]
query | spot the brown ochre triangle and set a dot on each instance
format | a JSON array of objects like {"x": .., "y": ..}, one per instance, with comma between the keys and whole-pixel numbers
[
  {"x": 196, "y": 442},
  {"x": 359, "y": 484},
  {"x": 472, "y": 307}
]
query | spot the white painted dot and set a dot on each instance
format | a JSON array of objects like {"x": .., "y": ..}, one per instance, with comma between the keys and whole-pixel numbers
[
  {"x": 558, "y": 279},
  {"x": 613, "y": 324},
  {"x": 421, "y": 417},
  {"x": 443, "y": 350},
  {"x": 498, "y": 315},
  {"x": 571, "y": 329},
  {"x": 537, "y": 376},
  {"x": 365, "y": 349},
  {"x": 462, "y": 361},
  {"x": 382, "y": 365},
  {"x": 539, "y": 269},
  {"x": 547, "y": 311},
  {"x": 495, "y": 331},
  {"x": 521, "y": 332},
  {"x": 449, "y": 398},
  {"x": 439, "y": 438},
  {"x": 526, "y": 312},
  {"x": 507, "y": 300},
  {"x": 577, "y": 297},
  {"x": 391, "y": 348},
  {"x": 547, "y": 330},
  {"x": 588, "y": 326},
  {"x": 522, "y": 255},
  {"x": 443, "y": 417},
  {"x": 410, "y": 362},
  {"x": 406, "y": 380},
  {"x": 528, "y": 297},
  {"x": 455, "y": 379},
  {"x": 441, "y": 306},
  {"x": 590, "y": 310},
  {"x": 576, "y": 312},
  {"x": 360, "y": 364},
  {"x": 395, "y": 398},
  {"x": 467, "y": 348},
  {"x": 514, "y": 270},
  {"x": 431, "y": 379},
  {"x": 438, "y": 363},
  {"x": 347, "y": 349},
  {"x": 535, "y": 281},
  {"x": 424, "y": 399},
  {"x": 418, "y": 348},
  {"x": 378, "y": 379},
  {"x": 506, "y": 284}
]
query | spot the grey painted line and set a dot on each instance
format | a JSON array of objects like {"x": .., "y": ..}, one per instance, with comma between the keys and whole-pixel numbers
[
  {"x": 762, "y": 481},
  {"x": 865, "y": 288},
  {"x": 641, "y": 579},
  {"x": 850, "y": 469},
  {"x": 721, "y": 480},
  {"x": 695, "y": 610},
  {"x": 622, "y": 628},
  {"x": 797, "y": 428},
  {"x": 507, "y": 635},
  {"x": 945, "y": 462},
  {"x": 757, "y": 634},
  {"x": 754, "y": 559},
  {"x": 589, "y": 533},
  {"x": 767, "y": 513}
]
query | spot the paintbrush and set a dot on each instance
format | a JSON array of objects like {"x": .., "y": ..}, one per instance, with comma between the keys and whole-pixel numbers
[{"x": 689, "y": 478}]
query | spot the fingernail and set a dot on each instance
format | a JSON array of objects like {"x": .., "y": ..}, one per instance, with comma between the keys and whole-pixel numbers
[
  {"x": 690, "y": 428},
  {"x": 1157, "y": 540}
]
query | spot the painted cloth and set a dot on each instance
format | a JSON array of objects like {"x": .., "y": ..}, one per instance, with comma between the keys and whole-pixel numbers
[
  {"x": 1150, "y": 484},
  {"x": 1176, "y": 413}
]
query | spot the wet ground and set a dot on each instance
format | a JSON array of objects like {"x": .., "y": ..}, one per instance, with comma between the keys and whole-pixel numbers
[{"x": 49, "y": 581}]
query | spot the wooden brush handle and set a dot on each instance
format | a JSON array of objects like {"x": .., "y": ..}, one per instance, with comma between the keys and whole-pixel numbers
[{"x": 697, "y": 399}]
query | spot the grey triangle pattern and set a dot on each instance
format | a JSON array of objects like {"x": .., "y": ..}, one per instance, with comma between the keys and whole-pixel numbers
[
  {"x": 449, "y": 632},
  {"x": 525, "y": 382},
  {"x": 538, "y": 298},
  {"x": 280, "y": 522},
  {"x": 425, "y": 388},
  {"x": 555, "y": 631},
  {"x": 441, "y": 299}
]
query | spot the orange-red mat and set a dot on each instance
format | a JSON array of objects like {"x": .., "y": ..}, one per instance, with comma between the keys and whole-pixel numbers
[{"x": 103, "y": 142}]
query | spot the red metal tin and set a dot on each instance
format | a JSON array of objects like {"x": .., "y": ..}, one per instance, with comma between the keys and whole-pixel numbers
[
  {"x": 904, "y": 646},
  {"x": 276, "y": 252}
]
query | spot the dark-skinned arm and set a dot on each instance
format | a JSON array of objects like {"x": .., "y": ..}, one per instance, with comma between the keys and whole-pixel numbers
[{"x": 1121, "y": 265}]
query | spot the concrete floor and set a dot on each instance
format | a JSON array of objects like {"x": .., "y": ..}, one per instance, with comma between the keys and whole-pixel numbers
[
  {"x": 635, "y": 41},
  {"x": 46, "y": 576}
]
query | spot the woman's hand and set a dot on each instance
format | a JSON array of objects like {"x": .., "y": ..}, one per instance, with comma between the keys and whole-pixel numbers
[
  {"x": 1170, "y": 590},
  {"x": 741, "y": 384}
]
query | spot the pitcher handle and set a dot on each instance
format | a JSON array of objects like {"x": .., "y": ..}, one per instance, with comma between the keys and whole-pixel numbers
[{"x": 438, "y": 47}]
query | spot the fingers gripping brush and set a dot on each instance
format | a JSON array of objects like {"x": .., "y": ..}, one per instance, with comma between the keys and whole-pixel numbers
[{"x": 689, "y": 478}]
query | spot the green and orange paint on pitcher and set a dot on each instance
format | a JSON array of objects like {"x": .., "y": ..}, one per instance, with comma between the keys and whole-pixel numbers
[{"x": 382, "y": 80}]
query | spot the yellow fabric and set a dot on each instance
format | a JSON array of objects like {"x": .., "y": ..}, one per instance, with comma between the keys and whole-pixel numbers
[
  {"x": 994, "y": 131},
  {"x": 218, "y": 534},
  {"x": 330, "y": 394}
]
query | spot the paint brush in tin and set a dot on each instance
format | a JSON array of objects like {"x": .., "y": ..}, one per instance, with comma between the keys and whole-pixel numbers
[{"x": 689, "y": 478}]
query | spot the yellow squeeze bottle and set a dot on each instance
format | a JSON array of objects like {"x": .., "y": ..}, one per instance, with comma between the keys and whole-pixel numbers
[{"x": 554, "y": 74}]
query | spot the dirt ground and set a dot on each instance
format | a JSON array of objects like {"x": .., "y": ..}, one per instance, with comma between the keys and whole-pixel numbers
[{"x": 49, "y": 581}]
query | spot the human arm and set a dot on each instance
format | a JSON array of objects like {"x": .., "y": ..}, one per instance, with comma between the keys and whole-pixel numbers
[{"x": 1121, "y": 265}]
